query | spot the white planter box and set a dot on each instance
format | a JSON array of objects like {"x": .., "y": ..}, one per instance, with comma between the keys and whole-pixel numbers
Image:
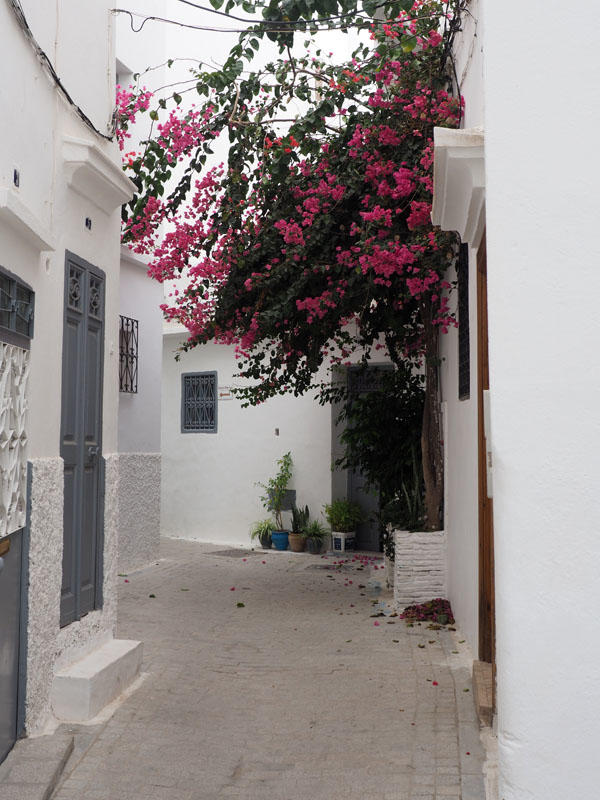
[
  {"x": 341, "y": 541},
  {"x": 420, "y": 566}
]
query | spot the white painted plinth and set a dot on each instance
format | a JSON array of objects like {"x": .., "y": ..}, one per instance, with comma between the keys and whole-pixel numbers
[
  {"x": 420, "y": 566},
  {"x": 81, "y": 690}
]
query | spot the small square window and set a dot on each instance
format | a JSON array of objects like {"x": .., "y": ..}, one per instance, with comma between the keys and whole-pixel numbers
[
  {"x": 128, "y": 355},
  {"x": 199, "y": 402}
]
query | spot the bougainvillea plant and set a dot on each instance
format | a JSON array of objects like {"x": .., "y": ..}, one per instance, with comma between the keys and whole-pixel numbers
[{"x": 313, "y": 244}]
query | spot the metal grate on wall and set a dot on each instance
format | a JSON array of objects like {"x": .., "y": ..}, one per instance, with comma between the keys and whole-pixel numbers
[
  {"x": 199, "y": 402},
  {"x": 128, "y": 355},
  {"x": 16, "y": 310}
]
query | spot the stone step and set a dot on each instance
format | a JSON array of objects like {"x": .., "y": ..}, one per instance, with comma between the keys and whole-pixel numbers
[{"x": 84, "y": 688}]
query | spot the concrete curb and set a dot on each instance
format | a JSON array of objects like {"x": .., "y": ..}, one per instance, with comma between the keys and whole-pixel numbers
[{"x": 33, "y": 768}]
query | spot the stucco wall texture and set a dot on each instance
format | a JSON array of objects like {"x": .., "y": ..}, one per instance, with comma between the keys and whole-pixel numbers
[
  {"x": 45, "y": 577},
  {"x": 139, "y": 509},
  {"x": 48, "y": 646}
]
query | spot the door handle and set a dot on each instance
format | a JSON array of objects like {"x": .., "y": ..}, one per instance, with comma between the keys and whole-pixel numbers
[{"x": 1, "y": 564}]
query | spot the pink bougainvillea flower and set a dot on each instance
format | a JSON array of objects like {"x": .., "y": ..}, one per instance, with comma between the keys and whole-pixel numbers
[
  {"x": 376, "y": 624},
  {"x": 435, "y": 683},
  {"x": 125, "y": 581},
  {"x": 232, "y": 589},
  {"x": 264, "y": 562},
  {"x": 244, "y": 559}
]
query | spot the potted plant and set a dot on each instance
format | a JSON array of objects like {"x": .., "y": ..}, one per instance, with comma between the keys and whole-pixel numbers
[
  {"x": 297, "y": 537},
  {"x": 261, "y": 530},
  {"x": 343, "y": 516},
  {"x": 272, "y": 500},
  {"x": 315, "y": 534}
]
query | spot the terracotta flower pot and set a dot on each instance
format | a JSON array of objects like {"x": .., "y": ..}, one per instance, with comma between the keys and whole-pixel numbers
[{"x": 297, "y": 542}]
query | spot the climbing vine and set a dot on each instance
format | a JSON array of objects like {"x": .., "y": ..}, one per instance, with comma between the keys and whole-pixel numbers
[{"x": 313, "y": 244}]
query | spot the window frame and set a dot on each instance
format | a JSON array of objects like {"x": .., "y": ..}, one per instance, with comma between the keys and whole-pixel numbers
[
  {"x": 10, "y": 335},
  {"x": 464, "y": 336},
  {"x": 128, "y": 356},
  {"x": 204, "y": 373}
]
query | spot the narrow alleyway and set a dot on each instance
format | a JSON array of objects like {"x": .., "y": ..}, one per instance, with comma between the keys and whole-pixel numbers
[{"x": 299, "y": 693}]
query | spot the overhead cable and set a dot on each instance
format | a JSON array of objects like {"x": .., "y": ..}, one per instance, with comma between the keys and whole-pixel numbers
[{"x": 17, "y": 9}]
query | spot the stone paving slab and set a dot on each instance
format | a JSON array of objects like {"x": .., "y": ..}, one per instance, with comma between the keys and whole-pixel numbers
[
  {"x": 298, "y": 693},
  {"x": 33, "y": 767}
]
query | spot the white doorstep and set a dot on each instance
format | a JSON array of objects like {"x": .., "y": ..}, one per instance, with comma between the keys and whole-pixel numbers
[{"x": 81, "y": 690}]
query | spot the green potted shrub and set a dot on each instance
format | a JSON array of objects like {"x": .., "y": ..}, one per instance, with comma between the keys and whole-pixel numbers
[
  {"x": 261, "y": 530},
  {"x": 343, "y": 517},
  {"x": 272, "y": 500},
  {"x": 315, "y": 535},
  {"x": 297, "y": 537}
]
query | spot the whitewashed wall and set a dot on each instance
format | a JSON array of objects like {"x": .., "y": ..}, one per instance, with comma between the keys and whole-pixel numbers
[
  {"x": 208, "y": 483},
  {"x": 139, "y": 420},
  {"x": 39, "y": 220},
  {"x": 139, "y": 413},
  {"x": 461, "y": 492},
  {"x": 543, "y": 168}
]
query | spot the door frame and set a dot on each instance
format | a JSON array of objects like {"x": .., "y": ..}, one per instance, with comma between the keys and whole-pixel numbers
[
  {"x": 374, "y": 366},
  {"x": 487, "y": 626},
  {"x": 88, "y": 269}
]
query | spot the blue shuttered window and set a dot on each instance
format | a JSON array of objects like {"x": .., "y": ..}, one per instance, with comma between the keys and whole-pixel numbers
[{"x": 199, "y": 402}]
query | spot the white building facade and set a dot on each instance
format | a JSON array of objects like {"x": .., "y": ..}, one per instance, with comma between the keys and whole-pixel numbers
[
  {"x": 210, "y": 472},
  {"x": 61, "y": 188},
  {"x": 140, "y": 331},
  {"x": 528, "y": 176}
]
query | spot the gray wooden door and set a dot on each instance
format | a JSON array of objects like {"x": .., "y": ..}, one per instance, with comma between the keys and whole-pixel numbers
[
  {"x": 81, "y": 438},
  {"x": 10, "y": 616}
]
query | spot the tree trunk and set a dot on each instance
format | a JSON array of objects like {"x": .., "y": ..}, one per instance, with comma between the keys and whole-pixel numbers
[{"x": 431, "y": 434}]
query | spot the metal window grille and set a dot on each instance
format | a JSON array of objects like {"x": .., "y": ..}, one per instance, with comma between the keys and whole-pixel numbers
[
  {"x": 199, "y": 402},
  {"x": 128, "y": 355},
  {"x": 16, "y": 310},
  {"x": 464, "y": 351}
]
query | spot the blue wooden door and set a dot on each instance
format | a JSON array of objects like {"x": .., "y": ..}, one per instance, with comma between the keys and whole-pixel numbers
[{"x": 81, "y": 438}]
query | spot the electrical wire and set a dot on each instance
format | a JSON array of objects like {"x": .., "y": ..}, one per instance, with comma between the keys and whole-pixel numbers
[
  {"x": 19, "y": 14},
  {"x": 265, "y": 26},
  {"x": 278, "y": 21}
]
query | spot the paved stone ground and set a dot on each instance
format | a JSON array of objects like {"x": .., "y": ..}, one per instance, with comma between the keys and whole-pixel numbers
[{"x": 298, "y": 694}]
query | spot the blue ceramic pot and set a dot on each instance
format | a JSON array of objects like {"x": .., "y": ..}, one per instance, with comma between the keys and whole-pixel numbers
[{"x": 280, "y": 540}]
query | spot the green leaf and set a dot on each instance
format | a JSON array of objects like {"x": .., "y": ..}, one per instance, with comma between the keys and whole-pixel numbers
[
  {"x": 177, "y": 98},
  {"x": 154, "y": 114}
]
